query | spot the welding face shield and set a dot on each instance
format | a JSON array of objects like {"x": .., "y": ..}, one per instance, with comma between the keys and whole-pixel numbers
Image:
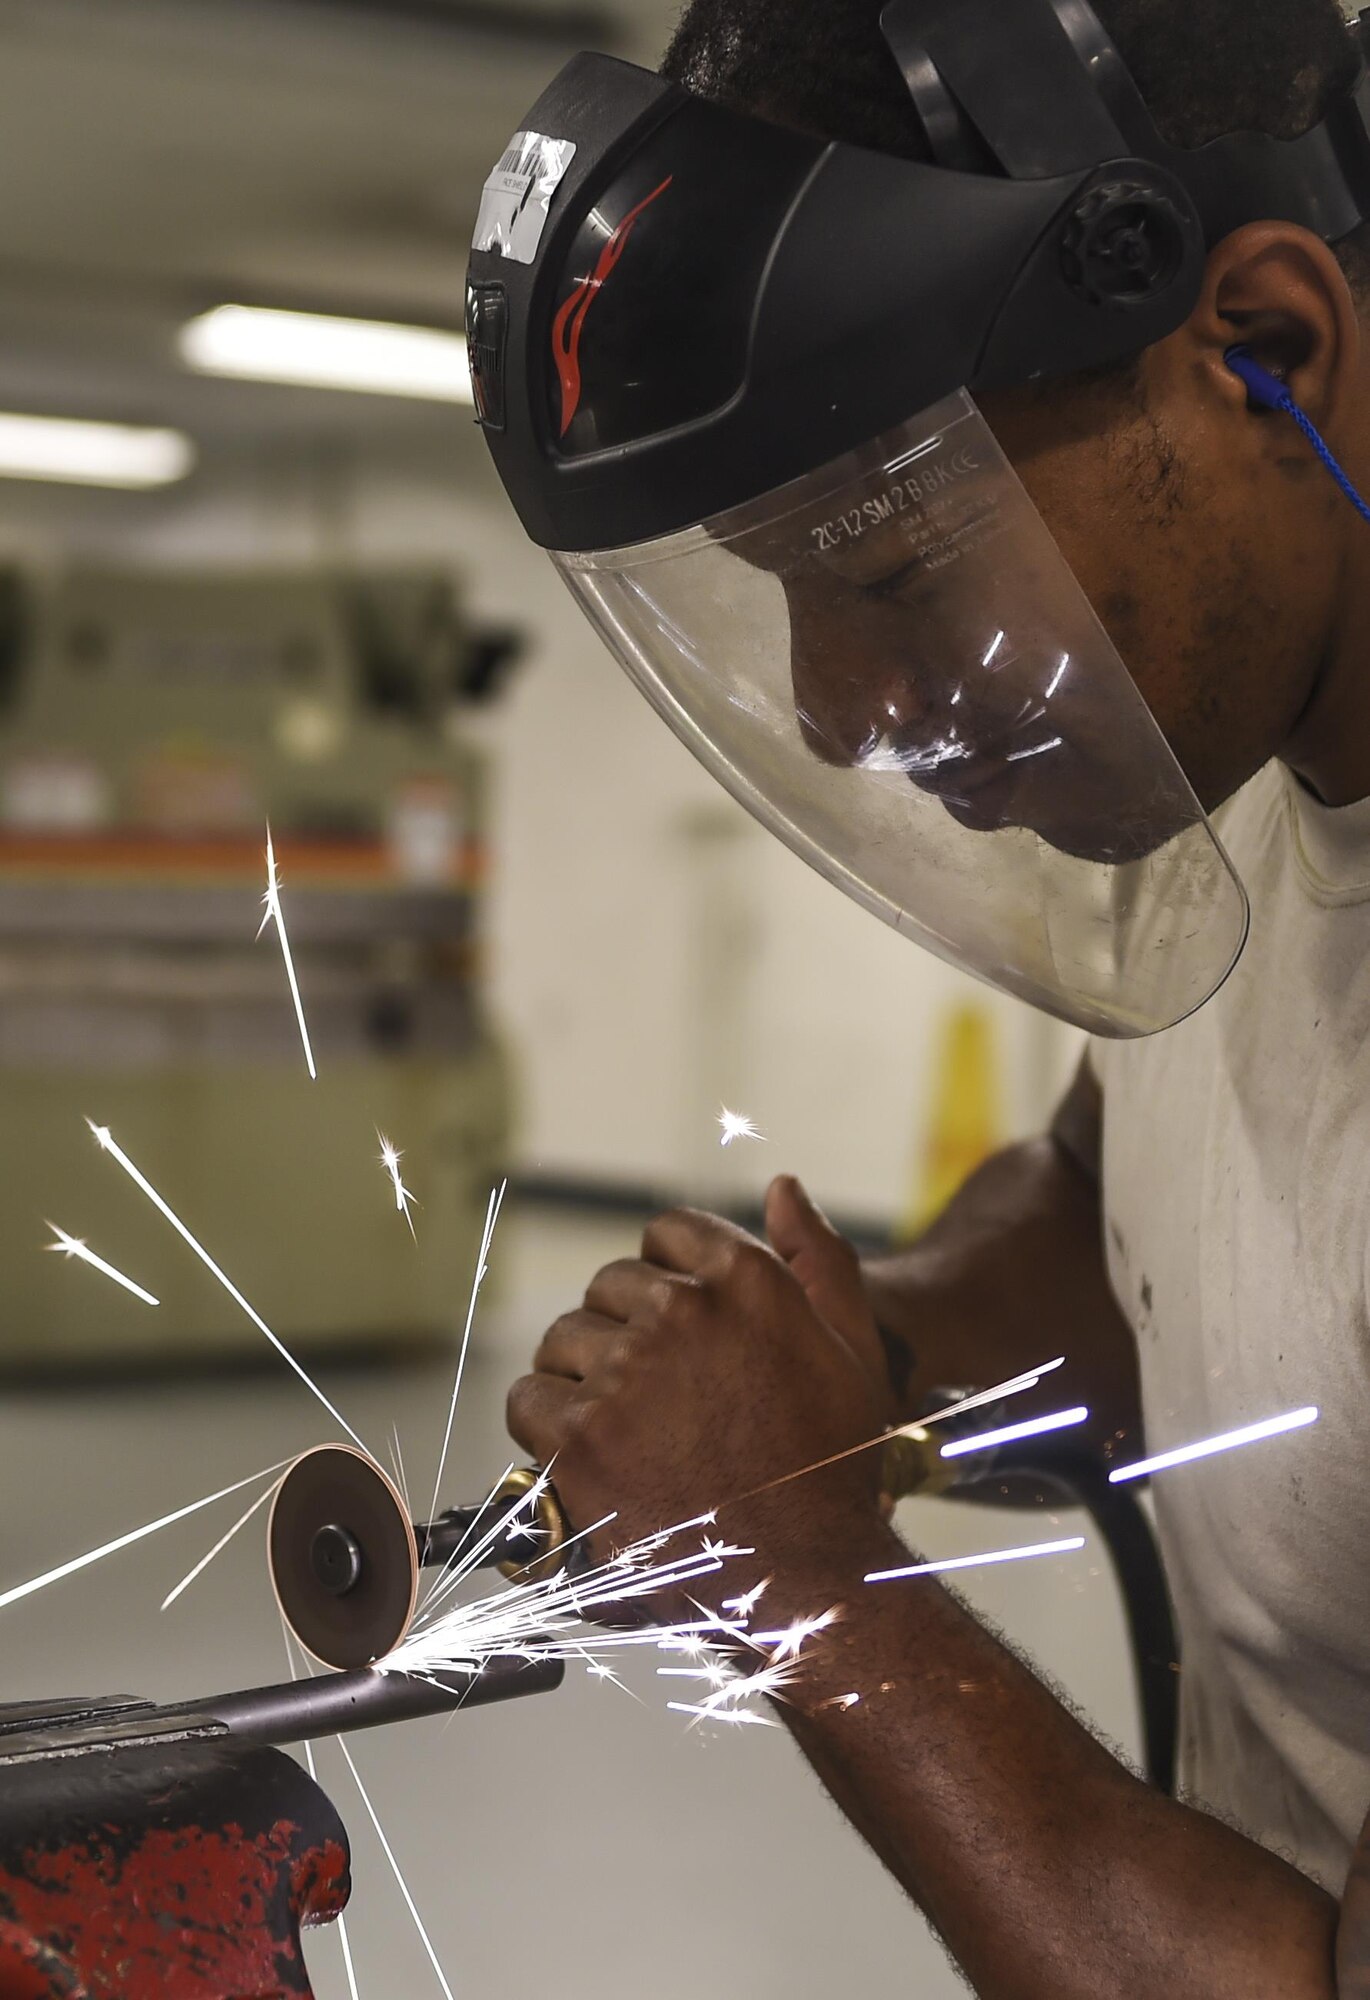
[
  {"x": 890, "y": 664},
  {"x": 728, "y": 384}
]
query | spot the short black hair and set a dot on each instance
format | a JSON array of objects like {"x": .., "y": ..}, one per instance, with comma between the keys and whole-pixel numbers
[{"x": 1205, "y": 68}]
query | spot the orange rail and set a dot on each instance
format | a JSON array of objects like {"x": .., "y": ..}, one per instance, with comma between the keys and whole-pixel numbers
[{"x": 327, "y": 863}]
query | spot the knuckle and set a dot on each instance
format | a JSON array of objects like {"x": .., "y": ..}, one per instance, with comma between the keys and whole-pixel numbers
[
  {"x": 624, "y": 1353},
  {"x": 609, "y": 1274},
  {"x": 749, "y": 1263},
  {"x": 673, "y": 1222},
  {"x": 654, "y": 1230},
  {"x": 597, "y": 1286},
  {"x": 557, "y": 1333},
  {"x": 519, "y": 1402},
  {"x": 592, "y": 1427},
  {"x": 681, "y": 1301},
  {"x": 613, "y": 1365}
]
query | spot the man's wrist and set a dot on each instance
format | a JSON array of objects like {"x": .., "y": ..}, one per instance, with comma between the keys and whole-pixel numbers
[
  {"x": 908, "y": 1295},
  {"x": 815, "y": 1593}
]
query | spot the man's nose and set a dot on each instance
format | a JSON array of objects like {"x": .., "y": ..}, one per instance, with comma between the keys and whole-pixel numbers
[{"x": 854, "y": 674}]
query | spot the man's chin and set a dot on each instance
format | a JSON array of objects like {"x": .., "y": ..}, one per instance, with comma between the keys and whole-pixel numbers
[
  {"x": 1104, "y": 843},
  {"x": 977, "y": 815}
]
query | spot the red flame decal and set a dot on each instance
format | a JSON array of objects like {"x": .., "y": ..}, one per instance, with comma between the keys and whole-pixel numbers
[{"x": 569, "y": 323}]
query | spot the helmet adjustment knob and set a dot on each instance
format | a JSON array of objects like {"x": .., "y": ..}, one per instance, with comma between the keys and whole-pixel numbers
[{"x": 1124, "y": 243}]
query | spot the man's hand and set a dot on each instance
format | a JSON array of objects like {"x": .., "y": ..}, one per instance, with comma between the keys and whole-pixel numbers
[{"x": 707, "y": 1368}]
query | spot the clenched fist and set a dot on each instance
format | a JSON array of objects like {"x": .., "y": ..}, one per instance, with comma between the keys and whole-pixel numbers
[{"x": 707, "y": 1368}]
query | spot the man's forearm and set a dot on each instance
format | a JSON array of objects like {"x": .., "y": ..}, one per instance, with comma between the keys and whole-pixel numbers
[
  {"x": 1010, "y": 1275},
  {"x": 1050, "y": 1871}
]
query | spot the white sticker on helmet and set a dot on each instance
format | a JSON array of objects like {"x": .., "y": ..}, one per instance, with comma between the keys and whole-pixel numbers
[{"x": 515, "y": 199}]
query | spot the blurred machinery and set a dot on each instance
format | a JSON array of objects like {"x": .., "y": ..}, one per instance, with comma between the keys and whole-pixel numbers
[{"x": 150, "y": 726}]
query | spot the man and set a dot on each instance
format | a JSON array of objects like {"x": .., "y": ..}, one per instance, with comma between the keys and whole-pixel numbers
[{"x": 1197, "y": 1227}]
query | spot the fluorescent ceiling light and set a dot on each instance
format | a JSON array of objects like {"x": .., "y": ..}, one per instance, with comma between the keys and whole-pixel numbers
[
  {"x": 91, "y": 454},
  {"x": 321, "y": 352}
]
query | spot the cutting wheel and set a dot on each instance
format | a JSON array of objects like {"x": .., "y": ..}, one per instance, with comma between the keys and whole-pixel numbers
[{"x": 343, "y": 1558}]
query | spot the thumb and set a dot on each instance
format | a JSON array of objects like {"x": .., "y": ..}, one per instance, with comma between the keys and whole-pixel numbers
[{"x": 822, "y": 1259}]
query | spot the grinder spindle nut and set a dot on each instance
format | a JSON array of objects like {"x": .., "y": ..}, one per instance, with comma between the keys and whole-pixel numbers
[{"x": 548, "y": 1523}]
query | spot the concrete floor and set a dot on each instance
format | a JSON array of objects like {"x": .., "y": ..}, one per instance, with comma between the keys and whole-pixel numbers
[{"x": 581, "y": 1843}]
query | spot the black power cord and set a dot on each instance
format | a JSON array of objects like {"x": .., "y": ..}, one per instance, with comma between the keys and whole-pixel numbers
[{"x": 1081, "y": 1479}]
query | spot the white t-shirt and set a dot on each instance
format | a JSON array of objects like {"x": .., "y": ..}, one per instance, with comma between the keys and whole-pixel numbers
[{"x": 1236, "y": 1182}]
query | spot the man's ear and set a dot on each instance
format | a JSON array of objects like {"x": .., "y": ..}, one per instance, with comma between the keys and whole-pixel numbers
[{"x": 1280, "y": 291}]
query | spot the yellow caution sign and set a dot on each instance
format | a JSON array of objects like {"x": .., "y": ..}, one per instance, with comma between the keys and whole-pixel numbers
[{"x": 965, "y": 1121}]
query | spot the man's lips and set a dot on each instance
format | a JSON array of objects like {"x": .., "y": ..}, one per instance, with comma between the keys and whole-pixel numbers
[
  {"x": 971, "y": 775},
  {"x": 960, "y": 778},
  {"x": 982, "y": 774},
  {"x": 981, "y": 788}
]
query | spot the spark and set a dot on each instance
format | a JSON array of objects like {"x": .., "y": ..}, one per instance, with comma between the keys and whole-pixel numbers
[
  {"x": 709, "y": 1671},
  {"x": 995, "y": 644},
  {"x": 1227, "y": 1441},
  {"x": 346, "y": 1947},
  {"x": 736, "y": 1126},
  {"x": 218, "y": 1548},
  {"x": 977, "y": 1562},
  {"x": 714, "y": 1547},
  {"x": 390, "y": 1160},
  {"x": 583, "y": 1535},
  {"x": 110, "y": 1145},
  {"x": 73, "y": 1246},
  {"x": 92, "y": 1556},
  {"x": 788, "y": 1642},
  {"x": 764, "y": 1682},
  {"x": 492, "y": 1209},
  {"x": 1057, "y": 677},
  {"x": 1034, "y": 750},
  {"x": 599, "y": 1671},
  {"x": 308, "y": 1750},
  {"x": 840, "y": 1701},
  {"x": 465, "y": 1556},
  {"x": 693, "y": 1647},
  {"x": 1016, "y": 1385},
  {"x": 736, "y": 1716},
  {"x": 743, "y": 1606},
  {"x": 544, "y": 1618},
  {"x": 1060, "y": 1420},
  {"x": 273, "y": 913},
  {"x": 412, "y": 1906},
  {"x": 397, "y": 1459},
  {"x": 340, "y": 1921}
]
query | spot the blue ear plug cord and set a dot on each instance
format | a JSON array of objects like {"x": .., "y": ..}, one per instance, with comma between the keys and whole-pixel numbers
[{"x": 1267, "y": 392}]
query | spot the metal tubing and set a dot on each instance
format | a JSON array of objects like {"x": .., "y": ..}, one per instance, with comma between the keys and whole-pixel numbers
[
  {"x": 334, "y": 1704},
  {"x": 296, "y": 1712}
]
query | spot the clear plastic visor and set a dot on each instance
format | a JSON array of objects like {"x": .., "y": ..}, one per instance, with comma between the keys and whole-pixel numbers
[{"x": 892, "y": 666}]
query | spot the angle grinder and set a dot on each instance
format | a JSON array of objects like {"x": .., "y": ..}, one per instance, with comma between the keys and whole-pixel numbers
[{"x": 345, "y": 1556}]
